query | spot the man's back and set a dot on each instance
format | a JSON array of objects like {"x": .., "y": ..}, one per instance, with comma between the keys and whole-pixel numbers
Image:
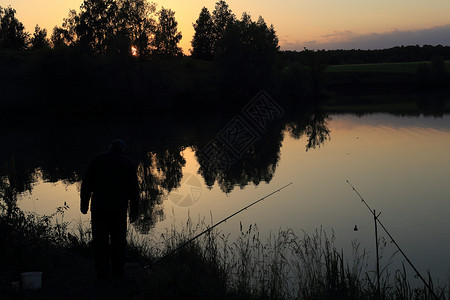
[{"x": 111, "y": 179}]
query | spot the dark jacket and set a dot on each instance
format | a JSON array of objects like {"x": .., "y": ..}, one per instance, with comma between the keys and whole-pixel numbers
[{"x": 112, "y": 182}]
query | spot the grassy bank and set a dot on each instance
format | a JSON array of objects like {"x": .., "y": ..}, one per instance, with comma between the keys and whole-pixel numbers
[
  {"x": 286, "y": 266},
  {"x": 397, "y": 104},
  {"x": 398, "y": 68},
  {"x": 380, "y": 78}
]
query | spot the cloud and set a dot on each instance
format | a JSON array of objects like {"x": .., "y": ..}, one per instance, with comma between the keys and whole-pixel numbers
[
  {"x": 339, "y": 35},
  {"x": 439, "y": 35}
]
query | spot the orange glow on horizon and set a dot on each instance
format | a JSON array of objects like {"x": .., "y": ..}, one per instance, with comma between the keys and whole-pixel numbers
[{"x": 297, "y": 23}]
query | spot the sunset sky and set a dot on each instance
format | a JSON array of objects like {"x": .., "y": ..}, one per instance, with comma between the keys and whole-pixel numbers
[{"x": 319, "y": 24}]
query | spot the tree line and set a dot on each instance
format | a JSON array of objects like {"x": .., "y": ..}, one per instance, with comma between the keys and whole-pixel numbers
[
  {"x": 135, "y": 27},
  {"x": 116, "y": 50},
  {"x": 101, "y": 27}
]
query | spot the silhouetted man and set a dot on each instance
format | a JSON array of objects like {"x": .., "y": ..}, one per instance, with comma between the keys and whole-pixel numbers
[{"x": 112, "y": 183}]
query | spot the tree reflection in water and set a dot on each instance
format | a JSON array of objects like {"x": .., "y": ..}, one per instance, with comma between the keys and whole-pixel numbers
[
  {"x": 8, "y": 187},
  {"x": 313, "y": 126},
  {"x": 160, "y": 164},
  {"x": 159, "y": 172}
]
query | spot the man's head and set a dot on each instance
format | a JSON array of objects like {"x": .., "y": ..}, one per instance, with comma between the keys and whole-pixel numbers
[{"x": 118, "y": 146}]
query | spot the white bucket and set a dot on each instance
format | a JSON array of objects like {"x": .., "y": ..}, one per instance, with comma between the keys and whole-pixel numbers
[{"x": 31, "y": 280}]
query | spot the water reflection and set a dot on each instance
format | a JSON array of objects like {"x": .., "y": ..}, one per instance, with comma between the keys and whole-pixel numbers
[
  {"x": 55, "y": 155},
  {"x": 313, "y": 126},
  {"x": 258, "y": 163},
  {"x": 8, "y": 188},
  {"x": 400, "y": 164},
  {"x": 159, "y": 172}
]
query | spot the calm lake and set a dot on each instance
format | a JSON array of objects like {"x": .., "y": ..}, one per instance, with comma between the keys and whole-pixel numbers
[{"x": 399, "y": 162}]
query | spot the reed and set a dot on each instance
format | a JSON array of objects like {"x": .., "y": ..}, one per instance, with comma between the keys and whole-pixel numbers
[
  {"x": 283, "y": 266},
  {"x": 287, "y": 266}
]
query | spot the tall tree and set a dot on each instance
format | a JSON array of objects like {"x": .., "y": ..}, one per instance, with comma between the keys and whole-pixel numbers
[
  {"x": 203, "y": 40},
  {"x": 66, "y": 34},
  {"x": 12, "y": 31},
  {"x": 109, "y": 26},
  {"x": 136, "y": 21},
  {"x": 95, "y": 24},
  {"x": 222, "y": 16},
  {"x": 39, "y": 39},
  {"x": 167, "y": 36},
  {"x": 245, "y": 42}
]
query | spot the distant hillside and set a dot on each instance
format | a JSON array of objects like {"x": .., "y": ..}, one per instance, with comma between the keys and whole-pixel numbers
[{"x": 396, "y": 54}]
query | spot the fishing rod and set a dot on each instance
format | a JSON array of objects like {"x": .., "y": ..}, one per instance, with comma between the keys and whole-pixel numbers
[
  {"x": 377, "y": 220},
  {"x": 215, "y": 225}
]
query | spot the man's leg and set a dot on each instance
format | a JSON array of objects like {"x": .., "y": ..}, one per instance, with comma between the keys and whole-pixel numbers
[
  {"x": 118, "y": 245},
  {"x": 100, "y": 239}
]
